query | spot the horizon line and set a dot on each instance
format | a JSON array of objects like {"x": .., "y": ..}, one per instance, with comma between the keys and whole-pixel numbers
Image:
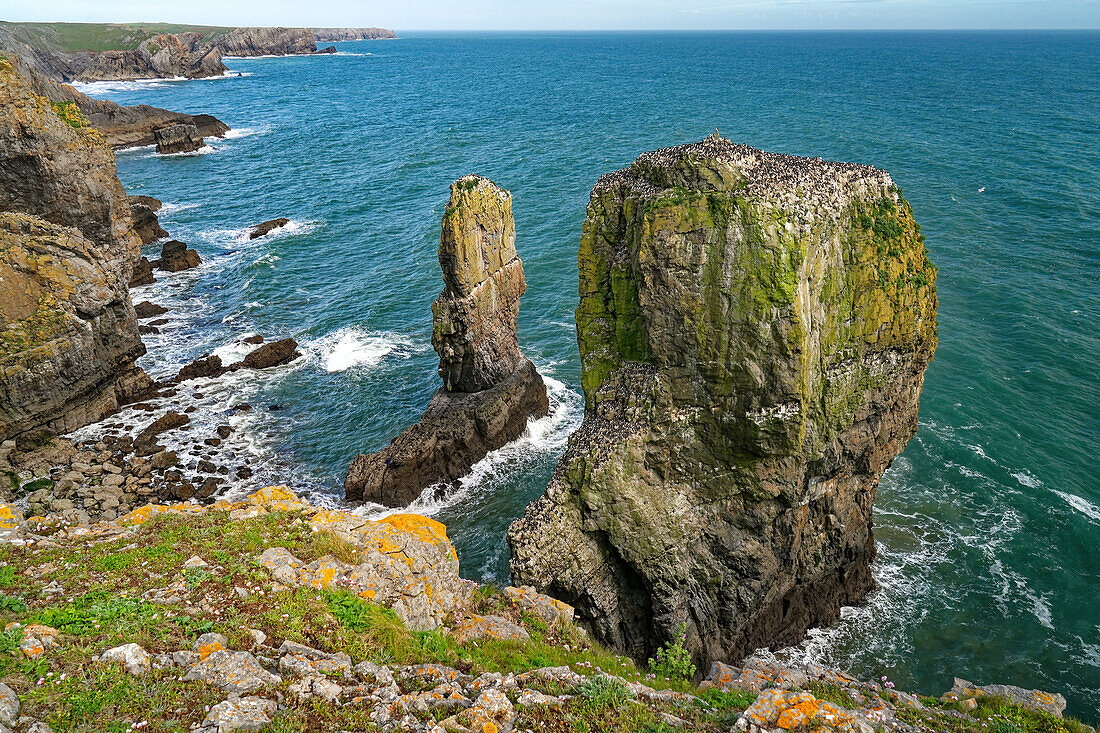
[{"x": 587, "y": 30}]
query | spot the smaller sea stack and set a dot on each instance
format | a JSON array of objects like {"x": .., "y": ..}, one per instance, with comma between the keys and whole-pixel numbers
[{"x": 489, "y": 388}]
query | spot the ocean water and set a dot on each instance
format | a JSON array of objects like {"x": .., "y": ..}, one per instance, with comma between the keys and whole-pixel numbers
[{"x": 988, "y": 525}]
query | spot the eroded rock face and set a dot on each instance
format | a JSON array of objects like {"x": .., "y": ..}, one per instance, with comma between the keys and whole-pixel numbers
[
  {"x": 55, "y": 167},
  {"x": 68, "y": 335},
  {"x": 490, "y": 389},
  {"x": 68, "y": 329},
  {"x": 754, "y": 330},
  {"x": 475, "y": 317},
  {"x": 143, "y": 211}
]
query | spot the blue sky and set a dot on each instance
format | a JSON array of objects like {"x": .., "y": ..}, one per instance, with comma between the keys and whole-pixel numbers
[{"x": 578, "y": 14}]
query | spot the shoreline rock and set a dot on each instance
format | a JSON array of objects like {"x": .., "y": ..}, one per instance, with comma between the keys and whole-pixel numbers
[
  {"x": 490, "y": 389},
  {"x": 143, "y": 210},
  {"x": 267, "y": 227},
  {"x": 176, "y": 257},
  {"x": 178, "y": 138},
  {"x": 754, "y": 330}
]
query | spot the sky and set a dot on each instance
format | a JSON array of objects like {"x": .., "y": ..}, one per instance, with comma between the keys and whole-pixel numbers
[{"x": 411, "y": 15}]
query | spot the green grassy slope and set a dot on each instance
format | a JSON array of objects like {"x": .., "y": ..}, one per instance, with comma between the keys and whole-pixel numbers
[{"x": 69, "y": 37}]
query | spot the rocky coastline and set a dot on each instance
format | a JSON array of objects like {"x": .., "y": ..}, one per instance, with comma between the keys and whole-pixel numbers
[{"x": 753, "y": 330}]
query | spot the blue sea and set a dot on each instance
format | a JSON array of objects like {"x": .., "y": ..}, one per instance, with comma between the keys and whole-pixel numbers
[{"x": 988, "y": 525}]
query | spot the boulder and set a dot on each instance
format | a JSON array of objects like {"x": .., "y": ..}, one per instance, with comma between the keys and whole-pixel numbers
[
  {"x": 146, "y": 309},
  {"x": 754, "y": 330},
  {"x": 175, "y": 257},
  {"x": 143, "y": 273},
  {"x": 146, "y": 224},
  {"x": 490, "y": 390},
  {"x": 267, "y": 227},
  {"x": 275, "y": 353},
  {"x": 205, "y": 366},
  {"x": 1045, "y": 702},
  {"x": 135, "y": 659},
  {"x": 178, "y": 138},
  {"x": 234, "y": 672},
  {"x": 239, "y": 714}
]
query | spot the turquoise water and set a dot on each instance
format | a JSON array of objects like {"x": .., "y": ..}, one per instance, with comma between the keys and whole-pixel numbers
[{"x": 989, "y": 523}]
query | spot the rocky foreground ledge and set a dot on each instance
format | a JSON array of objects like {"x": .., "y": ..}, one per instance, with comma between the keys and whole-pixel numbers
[{"x": 273, "y": 614}]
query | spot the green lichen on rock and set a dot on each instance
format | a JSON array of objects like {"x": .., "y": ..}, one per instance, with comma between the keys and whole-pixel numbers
[
  {"x": 42, "y": 326},
  {"x": 753, "y": 331}
]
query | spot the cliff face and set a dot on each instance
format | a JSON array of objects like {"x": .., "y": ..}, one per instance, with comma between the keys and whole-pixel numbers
[
  {"x": 60, "y": 170},
  {"x": 476, "y": 315},
  {"x": 353, "y": 34},
  {"x": 69, "y": 336},
  {"x": 266, "y": 42},
  {"x": 754, "y": 330},
  {"x": 489, "y": 388}
]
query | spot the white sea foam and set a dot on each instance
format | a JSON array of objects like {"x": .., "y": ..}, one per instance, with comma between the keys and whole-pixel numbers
[
  {"x": 1083, "y": 506},
  {"x": 92, "y": 88},
  {"x": 352, "y": 347},
  {"x": 237, "y": 133},
  {"x": 1027, "y": 479},
  {"x": 167, "y": 209}
]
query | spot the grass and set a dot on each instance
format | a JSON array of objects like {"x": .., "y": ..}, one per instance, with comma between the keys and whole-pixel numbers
[
  {"x": 102, "y": 606},
  {"x": 70, "y": 37}
]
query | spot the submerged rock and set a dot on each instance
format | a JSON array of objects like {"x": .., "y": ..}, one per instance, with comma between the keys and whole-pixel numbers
[
  {"x": 754, "y": 330},
  {"x": 267, "y": 227},
  {"x": 178, "y": 138},
  {"x": 275, "y": 353},
  {"x": 490, "y": 389}
]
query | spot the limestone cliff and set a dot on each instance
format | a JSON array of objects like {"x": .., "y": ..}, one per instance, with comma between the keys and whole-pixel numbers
[
  {"x": 489, "y": 388},
  {"x": 353, "y": 34},
  {"x": 55, "y": 166},
  {"x": 68, "y": 337},
  {"x": 753, "y": 330}
]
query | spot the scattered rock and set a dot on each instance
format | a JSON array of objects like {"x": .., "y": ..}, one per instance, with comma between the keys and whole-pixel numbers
[
  {"x": 487, "y": 627},
  {"x": 1046, "y": 702},
  {"x": 146, "y": 224},
  {"x": 145, "y": 309},
  {"x": 132, "y": 656},
  {"x": 265, "y": 228},
  {"x": 241, "y": 714},
  {"x": 143, "y": 273},
  {"x": 208, "y": 366},
  {"x": 176, "y": 257},
  {"x": 270, "y": 355},
  {"x": 237, "y": 672}
]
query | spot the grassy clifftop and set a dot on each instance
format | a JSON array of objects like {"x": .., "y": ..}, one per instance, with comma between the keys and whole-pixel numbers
[{"x": 72, "y": 37}]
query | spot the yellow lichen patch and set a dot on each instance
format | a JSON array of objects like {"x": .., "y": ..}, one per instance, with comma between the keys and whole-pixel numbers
[
  {"x": 10, "y": 517},
  {"x": 205, "y": 650},
  {"x": 323, "y": 576},
  {"x": 277, "y": 499},
  {"x": 144, "y": 513}
]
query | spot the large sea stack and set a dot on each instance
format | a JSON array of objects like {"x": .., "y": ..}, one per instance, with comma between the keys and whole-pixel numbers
[
  {"x": 68, "y": 334},
  {"x": 754, "y": 330},
  {"x": 489, "y": 388}
]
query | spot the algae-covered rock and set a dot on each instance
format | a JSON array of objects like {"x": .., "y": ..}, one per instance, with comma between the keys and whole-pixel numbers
[
  {"x": 490, "y": 389},
  {"x": 754, "y": 330}
]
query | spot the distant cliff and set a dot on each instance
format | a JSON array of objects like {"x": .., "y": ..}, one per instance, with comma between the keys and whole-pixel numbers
[
  {"x": 68, "y": 52},
  {"x": 68, "y": 333},
  {"x": 753, "y": 331},
  {"x": 353, "y": 34}
]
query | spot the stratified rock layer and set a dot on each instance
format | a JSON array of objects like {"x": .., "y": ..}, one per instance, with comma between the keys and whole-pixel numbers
[
  {"x": 489, "y": 388},
  {"x": 68, "y": 335},
  {"x": 754, "y": 330}
]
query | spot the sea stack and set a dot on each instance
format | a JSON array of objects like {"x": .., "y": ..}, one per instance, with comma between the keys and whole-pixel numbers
[
  {"x": 754, "y": 330},
  {"x": 490, "y": 389},
  {"x": 68, "y": 333}
]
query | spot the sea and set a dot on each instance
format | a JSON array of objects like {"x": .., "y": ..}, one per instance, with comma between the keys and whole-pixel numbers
[{"x": 987, "y": 525}]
